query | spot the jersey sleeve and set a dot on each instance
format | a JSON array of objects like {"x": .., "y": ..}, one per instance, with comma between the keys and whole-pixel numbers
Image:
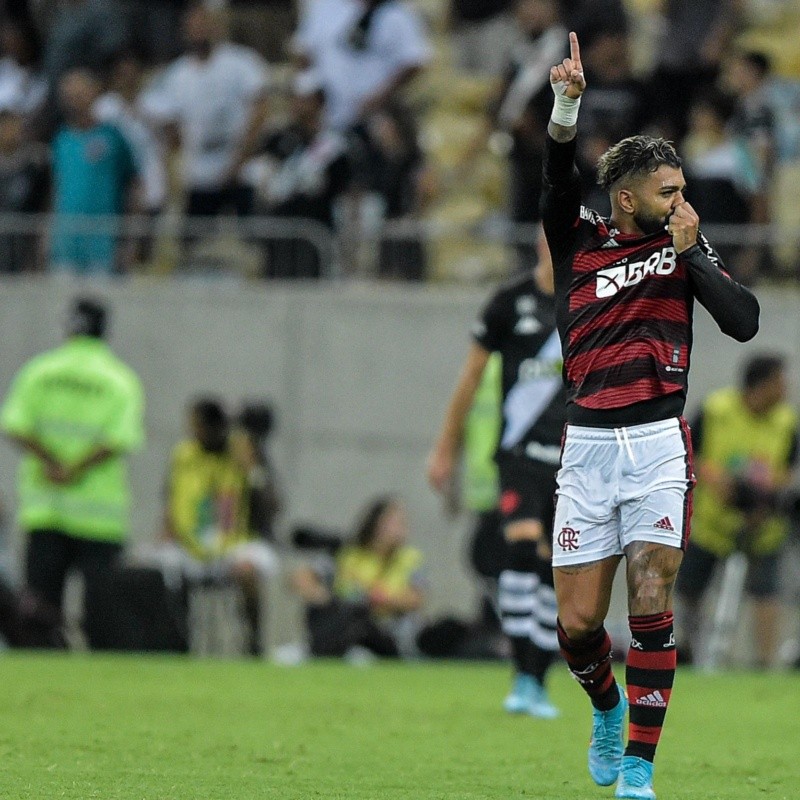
[
  {"x": 489, "y": 328},
  {"x": 17, "y": 416},
  {"x": 733, "y": 307},
  {"x": 560, "y": 202}
]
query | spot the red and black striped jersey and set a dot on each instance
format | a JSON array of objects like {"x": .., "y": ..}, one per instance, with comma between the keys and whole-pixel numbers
[{"x": 625, "y": 304}]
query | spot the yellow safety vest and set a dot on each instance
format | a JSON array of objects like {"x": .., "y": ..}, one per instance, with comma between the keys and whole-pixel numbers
[{"x": 740, "y": 443}]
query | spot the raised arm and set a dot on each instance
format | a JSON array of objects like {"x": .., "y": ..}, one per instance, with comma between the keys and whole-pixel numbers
[
  {"x": 568, "y": 84},
  {"x": 561, "y": 190}
]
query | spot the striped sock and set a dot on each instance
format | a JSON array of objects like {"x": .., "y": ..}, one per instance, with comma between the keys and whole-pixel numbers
[
  {"x": 527, "y": 604},
  {"x": 649, "y": 674},
  {"x": 589, "y": 661},
  {"x": 543, "y": 631},
  {"x": 516, "y": 599}
]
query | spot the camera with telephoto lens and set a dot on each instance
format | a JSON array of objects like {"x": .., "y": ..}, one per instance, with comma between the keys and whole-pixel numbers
[
  {"x": 748, "y": 498},
  {"x": 308, "y": 537}
]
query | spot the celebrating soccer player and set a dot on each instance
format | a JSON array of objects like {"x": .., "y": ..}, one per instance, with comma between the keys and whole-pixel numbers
[{"x": 625, "y": 290}]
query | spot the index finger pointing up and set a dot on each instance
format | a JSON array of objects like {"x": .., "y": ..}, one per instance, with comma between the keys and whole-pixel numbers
[{"x": 574, "y": 49}]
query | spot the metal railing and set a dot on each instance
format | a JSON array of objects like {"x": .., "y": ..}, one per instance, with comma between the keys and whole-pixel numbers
[{"x": 278, "y": 247}]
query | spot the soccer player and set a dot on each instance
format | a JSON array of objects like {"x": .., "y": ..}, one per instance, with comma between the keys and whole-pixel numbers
[
  {"x": 625, "y": 291},
  {"x": 519, "y": 324}
]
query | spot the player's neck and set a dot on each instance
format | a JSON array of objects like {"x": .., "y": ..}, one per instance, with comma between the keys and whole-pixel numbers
[{"x": 625, "y": 224}]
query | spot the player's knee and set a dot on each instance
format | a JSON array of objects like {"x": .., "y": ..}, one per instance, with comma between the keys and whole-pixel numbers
[{"x": 578, "y": 623}]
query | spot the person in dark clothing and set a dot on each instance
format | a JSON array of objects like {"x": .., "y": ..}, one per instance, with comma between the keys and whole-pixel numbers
[
  {"x": 696, "y": 36},
  {"x": 722, "y": 176},
  {"x": 24, "y": 185},
  {"x": 391, "y": 164},
  {"x": 523, "y": 103},
  {"x": 311, "y": 171},
  {"x": 370, "y": 594},
  {"x": 625, "y": 291},
  {"x": 255, "y": 425},
  {"x": 519, "y": 324}
]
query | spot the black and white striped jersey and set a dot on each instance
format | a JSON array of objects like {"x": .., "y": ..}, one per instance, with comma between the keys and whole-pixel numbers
[{"x": 519, "y": 323}]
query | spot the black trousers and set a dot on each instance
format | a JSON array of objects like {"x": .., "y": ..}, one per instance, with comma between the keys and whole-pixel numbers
[
  {"x": 336, "y": 627},
  {"x": 52, "y": 555}
]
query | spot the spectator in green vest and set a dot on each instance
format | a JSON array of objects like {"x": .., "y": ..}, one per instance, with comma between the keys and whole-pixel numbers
[
  {"x": 75, "y": 412},
  {"x": 745, "y": 448}
]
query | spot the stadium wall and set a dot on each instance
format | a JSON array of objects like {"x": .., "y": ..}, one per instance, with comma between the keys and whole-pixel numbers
[{"x": 359, "y": 376}]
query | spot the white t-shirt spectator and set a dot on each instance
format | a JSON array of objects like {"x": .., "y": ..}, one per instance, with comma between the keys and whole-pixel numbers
[
  {"x": 147, "y": 150},
  {"x": 22, "y": 90},
  {"x": 395, "y": 41},
  {"x": 211, "y": 101}
]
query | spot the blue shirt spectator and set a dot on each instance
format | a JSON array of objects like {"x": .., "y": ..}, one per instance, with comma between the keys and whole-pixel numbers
[{"x": 93, "y": 171}]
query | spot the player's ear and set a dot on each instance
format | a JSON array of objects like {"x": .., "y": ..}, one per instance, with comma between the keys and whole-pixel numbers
[{"x": 625, "y": 200}]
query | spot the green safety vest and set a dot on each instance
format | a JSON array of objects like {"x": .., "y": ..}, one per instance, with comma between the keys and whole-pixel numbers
[
  {"x": 480, "y": 487},
  {"x": 72, "y": 400},
  {"x": 740, "y": 443}
]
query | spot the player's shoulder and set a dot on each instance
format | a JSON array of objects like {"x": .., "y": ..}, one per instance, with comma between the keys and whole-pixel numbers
[
  {"x": 513, "y": 287},
  {"x": 592, "y": 226},
  {"x": 41, "y": 364},
  {"x": 114, "y": 369},
  {"x": 587, "y": 214}
]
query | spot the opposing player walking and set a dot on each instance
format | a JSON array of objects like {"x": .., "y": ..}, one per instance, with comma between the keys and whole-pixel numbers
[
  {"x": 518, "y": 323},
  {"x": 625, "y": 291}
]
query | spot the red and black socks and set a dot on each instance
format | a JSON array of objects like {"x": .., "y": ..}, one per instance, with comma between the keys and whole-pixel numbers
[
  {"x": 649, "y": 674},
  {"x": 589, "y": 661}
]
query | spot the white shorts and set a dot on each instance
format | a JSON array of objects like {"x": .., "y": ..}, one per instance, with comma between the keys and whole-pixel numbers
[{"x": 622, "y": 485}]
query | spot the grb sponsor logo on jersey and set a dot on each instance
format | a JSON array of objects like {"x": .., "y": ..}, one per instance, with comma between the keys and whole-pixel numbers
[{"x": 613, "y": 279}]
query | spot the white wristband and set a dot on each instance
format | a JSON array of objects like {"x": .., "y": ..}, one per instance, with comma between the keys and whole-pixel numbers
[{"x": 565, "y": 110}]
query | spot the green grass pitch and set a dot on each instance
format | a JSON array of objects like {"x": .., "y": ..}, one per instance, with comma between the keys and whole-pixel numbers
[{"x": 144, "y": 728}]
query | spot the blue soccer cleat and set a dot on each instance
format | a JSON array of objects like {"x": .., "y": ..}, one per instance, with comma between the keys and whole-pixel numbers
[
  {"x": 522, "y": 694},
  {"x": 635, "y": 779},
  {"x": 541, "y": 707},
  {"x": 607, "y": 745}
]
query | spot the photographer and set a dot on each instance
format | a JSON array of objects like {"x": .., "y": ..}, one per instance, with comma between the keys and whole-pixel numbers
[
  {"x": 207, "y": 518},
  {"x": 249, "y": 446},
  {"x": 368, "y": 595},
  {"x": 745, "y": 446}
]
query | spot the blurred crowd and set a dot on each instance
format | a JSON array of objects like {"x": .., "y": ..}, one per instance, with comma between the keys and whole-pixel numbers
[{"x": 328, "y": 115}]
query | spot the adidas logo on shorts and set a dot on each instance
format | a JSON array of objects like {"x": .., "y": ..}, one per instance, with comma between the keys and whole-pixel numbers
[
  {"x": 654, "y": 699},
  {"x": 664, "y": 524}
]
